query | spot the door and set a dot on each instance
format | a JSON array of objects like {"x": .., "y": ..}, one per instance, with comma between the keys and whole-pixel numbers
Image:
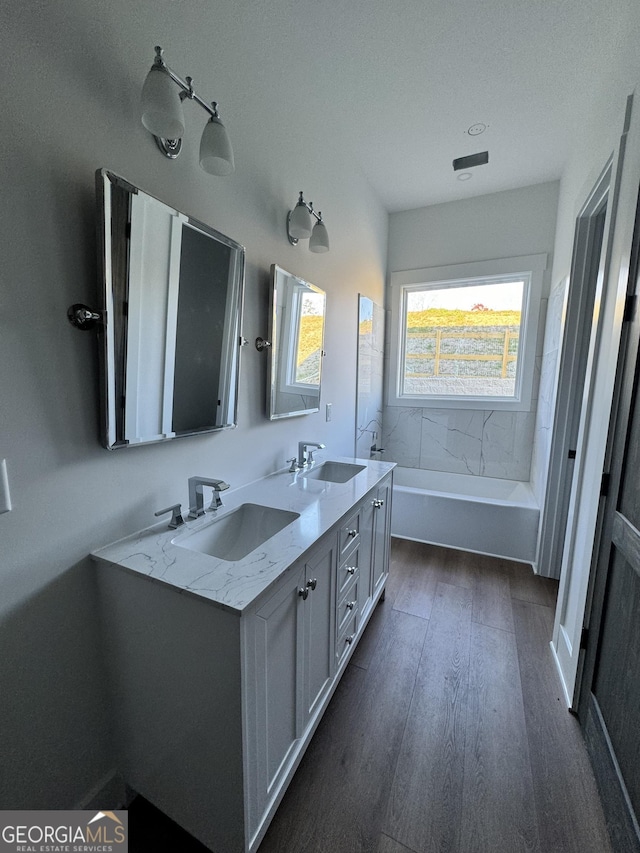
[
  {"x": 609, "y": 700},
  {"x": 584, "y": 521},
  {"x": 580, "y": 326}
]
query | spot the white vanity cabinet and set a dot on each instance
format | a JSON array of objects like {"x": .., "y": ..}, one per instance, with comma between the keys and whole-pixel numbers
[{"x": 214, "y": 704}]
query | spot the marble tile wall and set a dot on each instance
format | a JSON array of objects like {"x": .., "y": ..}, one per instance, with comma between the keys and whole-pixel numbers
[
  {"x": 547, "y": 392},
  {"x": 484, "y": 443},
  {"x": 371, "y": 331}
]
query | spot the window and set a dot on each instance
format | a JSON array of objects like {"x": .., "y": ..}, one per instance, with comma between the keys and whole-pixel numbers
[{"x": 465, "y": 336}]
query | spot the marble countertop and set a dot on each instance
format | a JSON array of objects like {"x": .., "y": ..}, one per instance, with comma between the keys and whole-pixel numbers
[{"x": 234, "y": 586}]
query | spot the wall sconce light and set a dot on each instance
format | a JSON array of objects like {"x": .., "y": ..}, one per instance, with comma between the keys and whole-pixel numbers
[
  {"x": 299, "y": 226},
  {"x": 163, "y": 117}
]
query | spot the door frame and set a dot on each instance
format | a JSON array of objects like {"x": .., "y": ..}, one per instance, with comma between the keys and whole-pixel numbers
[
  {"x": 583, "y": 524},
  {"x": 581, "y": 318}
]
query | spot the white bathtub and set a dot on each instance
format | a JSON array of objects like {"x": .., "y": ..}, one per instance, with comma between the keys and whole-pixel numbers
[{"x": 482, "y": 514}]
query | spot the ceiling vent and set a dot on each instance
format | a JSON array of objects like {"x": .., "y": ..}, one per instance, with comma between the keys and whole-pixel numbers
[{"x": 471, "y": 161}]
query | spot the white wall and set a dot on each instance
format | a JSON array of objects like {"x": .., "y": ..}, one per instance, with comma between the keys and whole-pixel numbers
[
  {"x": 72, "y": 78},
  {"x": 506, "y": 224}
]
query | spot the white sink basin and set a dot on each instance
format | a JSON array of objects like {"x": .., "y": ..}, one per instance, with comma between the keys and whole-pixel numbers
[
  {"x": 334, "y": 472},
  {"x": 237, "y": 533}
]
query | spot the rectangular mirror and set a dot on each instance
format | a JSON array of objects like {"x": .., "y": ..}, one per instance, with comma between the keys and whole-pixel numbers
[
  {"x": 297, "y": 340},
  {"x": 172, "y": 292}
]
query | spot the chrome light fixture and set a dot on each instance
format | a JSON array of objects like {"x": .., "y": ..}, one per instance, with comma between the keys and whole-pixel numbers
[
  {"x": 163, "y": 117},
  {"x": 299, "y": 226}
]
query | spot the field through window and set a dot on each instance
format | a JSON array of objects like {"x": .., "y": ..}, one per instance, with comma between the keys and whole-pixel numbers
[{"x": 462, "y": 339}]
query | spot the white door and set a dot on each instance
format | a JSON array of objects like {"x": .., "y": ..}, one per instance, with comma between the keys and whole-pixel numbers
[{"x": 584, "y": 503}]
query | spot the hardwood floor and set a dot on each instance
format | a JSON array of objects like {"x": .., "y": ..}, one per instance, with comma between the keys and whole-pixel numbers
[{"x": 448, "y": 731}]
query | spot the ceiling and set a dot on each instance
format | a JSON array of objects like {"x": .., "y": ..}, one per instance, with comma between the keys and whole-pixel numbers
[
  {"x": 390, "y": 88},
  {"x": 399, "y": 84}
]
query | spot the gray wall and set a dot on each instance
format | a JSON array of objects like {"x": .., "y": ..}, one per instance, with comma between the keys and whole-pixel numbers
[
  {"x": 500, "y": 225},
  {"x": 71, "y": 89}
]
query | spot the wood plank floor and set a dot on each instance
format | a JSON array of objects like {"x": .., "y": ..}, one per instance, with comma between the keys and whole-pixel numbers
[{"x": 448, "y": 731}]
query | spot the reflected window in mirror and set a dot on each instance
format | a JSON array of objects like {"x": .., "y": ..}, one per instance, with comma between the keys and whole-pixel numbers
[{"x": 297, "y": 337}]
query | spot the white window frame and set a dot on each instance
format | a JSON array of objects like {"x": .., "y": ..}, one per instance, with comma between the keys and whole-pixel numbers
[
  {"x": 531, "y": 268},
  {"x": 291, "y": 336}
]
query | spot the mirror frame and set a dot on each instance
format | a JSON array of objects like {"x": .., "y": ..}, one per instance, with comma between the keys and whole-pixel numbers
[
  {"x": 114, "y": 267},
  {"x": 276, "y": 350}
]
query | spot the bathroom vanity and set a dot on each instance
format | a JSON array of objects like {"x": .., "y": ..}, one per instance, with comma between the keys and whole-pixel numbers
[{"x": 221, "y": 668}]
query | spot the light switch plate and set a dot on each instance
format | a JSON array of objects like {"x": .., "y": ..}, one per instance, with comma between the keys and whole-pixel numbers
[{"x": 5, "y": 497}]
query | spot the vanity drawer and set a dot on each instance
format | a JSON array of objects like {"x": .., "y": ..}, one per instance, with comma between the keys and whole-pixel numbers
[
  {"x": 349, "y": 534},
  {"x": 347, "y": 606},
  {"x": 347, "y": 571},
  {"x": 347, "y": 636}
]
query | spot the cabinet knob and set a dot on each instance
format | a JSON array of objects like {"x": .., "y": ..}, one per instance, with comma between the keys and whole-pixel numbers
[
  {"x": 349, "y": 640},
  {"x": 312, "y": 584},
  {"x": 304, "y": 592},
  {"x": 351, "y": 570},
  {"x": 378, "y": 503},
  {"x": 351, "y": 605},
  {"x": 353, "y": 533}
]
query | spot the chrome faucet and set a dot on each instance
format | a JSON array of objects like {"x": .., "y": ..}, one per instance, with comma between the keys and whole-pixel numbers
[
  {"x": 196, "y": 501},
  {"x": 305, "y": 456}
]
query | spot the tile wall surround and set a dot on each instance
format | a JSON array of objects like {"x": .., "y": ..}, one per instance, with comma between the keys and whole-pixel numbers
[
  {"x": 461, "y": 441},
  {"x": 547, "y": 392},
  {"x": 371, "y": 336}
]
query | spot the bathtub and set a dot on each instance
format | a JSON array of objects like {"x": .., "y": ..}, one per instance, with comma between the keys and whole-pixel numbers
[{"x": 481, "y": 514}]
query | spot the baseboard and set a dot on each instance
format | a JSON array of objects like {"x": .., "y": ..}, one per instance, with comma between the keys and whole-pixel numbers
[
  {"x": 621, "y": 820},
  {"x": 110, "y": 792},
  {"x": 563, "y": 683}
]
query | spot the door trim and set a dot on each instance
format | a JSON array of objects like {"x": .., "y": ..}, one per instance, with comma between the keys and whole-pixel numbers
[
  {"x": 586, "y": 266},
  {"x": 585, "y": 508}
]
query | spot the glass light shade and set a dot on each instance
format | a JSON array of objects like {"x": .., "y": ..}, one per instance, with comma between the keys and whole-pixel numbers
[
  {"x": 319, "y": 241},
  {"x": 300, "y": 222},
  {"x": 216, "y": 154},
  {"x": 161, "y": 105}
]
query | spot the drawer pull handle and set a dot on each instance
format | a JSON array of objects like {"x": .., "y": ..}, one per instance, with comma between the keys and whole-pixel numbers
[
  {"x": 378, "y": 503},
  {"x": 351, "y": 605},
  {"x": 349, "y": 640},
  {"x": 351, "y": 570},
  {"x": 303, "y": 592},
  {"x": 312, "y": 584},
  {"x": 353, "y": 533}
]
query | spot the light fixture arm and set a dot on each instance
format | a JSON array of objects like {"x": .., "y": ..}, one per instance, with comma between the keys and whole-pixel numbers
[{"x": 186, "y": 85}]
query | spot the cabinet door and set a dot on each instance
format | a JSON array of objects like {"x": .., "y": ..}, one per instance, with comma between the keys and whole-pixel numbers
[
  {"x": 279, "y": 637},
  {"x": 319, "y": 630},
  {"x": 380, "y": 542},
  {"x": 365, "y": 586}
]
